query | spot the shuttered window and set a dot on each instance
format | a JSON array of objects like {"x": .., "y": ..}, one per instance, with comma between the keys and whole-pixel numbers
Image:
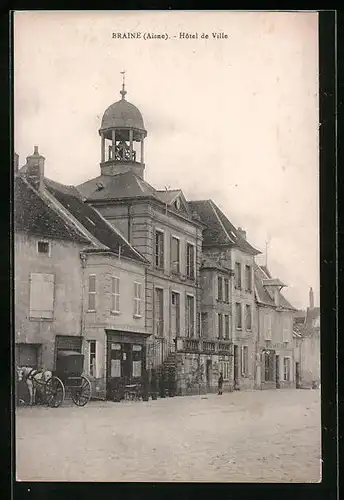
[
  {"x": 42, "y": 295},
  {"x": 115, "y": 295},
  {"x": 92, "y": 292},
  {"x": 137, "y": 298}
]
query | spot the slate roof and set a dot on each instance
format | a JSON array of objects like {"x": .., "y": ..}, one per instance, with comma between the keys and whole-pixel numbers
[
  {"x": 34, "y": 216},
  {"x": 219, "y": 230},
  {"x": 90, "y": 219},
  {"x": 262, "y": 295},
  {"x": 126, "y": 185},
  {"x": 167, "y": 196}
]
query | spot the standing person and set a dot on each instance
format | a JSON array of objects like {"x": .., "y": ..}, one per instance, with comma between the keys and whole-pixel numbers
[{"x": 220, "y": 383}]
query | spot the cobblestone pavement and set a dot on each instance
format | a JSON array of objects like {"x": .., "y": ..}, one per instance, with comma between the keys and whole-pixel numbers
[{"x": 256, "y": 436}]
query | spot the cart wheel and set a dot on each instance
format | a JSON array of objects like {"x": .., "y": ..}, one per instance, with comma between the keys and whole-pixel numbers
[
  {"x": 81, "y": 395},
  {"x": 54, "y": 392}
]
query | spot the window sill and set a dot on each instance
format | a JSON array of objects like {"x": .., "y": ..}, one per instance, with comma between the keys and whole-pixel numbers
[
  {"x": 238, "y": 328},
  {"x": 91, "y": 311},
  {"x": 137, "y": 316},
  {"x": 115, "y": 313}
]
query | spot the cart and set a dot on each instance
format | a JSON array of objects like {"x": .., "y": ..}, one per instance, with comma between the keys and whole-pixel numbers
[{"x": 67, "y": 379}]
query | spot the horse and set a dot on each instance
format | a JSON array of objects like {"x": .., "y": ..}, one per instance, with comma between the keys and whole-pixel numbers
[{"x": 33, "y": 378}]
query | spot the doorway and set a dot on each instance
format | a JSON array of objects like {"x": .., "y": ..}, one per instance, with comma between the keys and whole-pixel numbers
[
  {"x": 278, "y": 385},
  {"x": 297, "y": 375},
  {"x": 208, "y": 373},
  {"x": 236, "y": 366}
]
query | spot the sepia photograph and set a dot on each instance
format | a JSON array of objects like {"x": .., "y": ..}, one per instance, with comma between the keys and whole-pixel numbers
[{"x": 166, "y": 246}]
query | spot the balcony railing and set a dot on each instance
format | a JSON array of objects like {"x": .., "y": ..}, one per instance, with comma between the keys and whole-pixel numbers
[{"x": 204, "y": 346}]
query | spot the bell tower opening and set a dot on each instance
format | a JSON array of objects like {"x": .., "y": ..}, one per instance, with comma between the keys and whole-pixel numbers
[{"x": 122, "y": 135}]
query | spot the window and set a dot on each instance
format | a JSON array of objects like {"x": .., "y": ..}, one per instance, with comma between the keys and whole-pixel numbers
[
  {"x": 175, "y": 255},
  {"x": 41, "y": 296},
  {"x": 248, "y": 278},
  {"x": 43, "y": 247},
  {"x": 226, "y": 281},
  {"x": 238, "y": 316},
  {"x": 159, "y": 250},
  {"x": 226, "y": 326},
  {"x": 219, "y": 289},
  {"x": 224, "y": 367},
  {"x": 238, "y": 275},
  {"x": 286, "y": 329},
  {"x": 269, "y": 366},
  {"x": 175, "y": 314},
  {"x": 204, "y": 325},
  {"x": 267, "y": 326},
  {"x": 220, "y": 326},
  {"x": 248, "y": 317},
  {"x": 137, "y": 360},
  {"x": 190, "y": 261},
  {"x": 92, "y": 358},
  {"x": 92, "y": 292},
  {"x": 244, "y": 360},
  {"x": 137, "y": 299},
  {"x": 159, "y": 311},
  {"x": 286, "y": 369},
  {"x": 115, "y": 294},
  {"x": 190, "y": 316}
]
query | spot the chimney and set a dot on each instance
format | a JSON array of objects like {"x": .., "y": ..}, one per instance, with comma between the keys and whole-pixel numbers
[
  {"x": 242, "y": 232},
  {"x": 311, "y": 298},
  {"x": 35, "y": 169},
  {"x": 15, "y": 162}
]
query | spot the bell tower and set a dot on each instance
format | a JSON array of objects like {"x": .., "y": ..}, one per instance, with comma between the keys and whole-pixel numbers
[{"x": 122, "y": 135}]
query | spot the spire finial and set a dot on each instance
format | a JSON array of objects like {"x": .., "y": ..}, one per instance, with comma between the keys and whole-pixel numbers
[{"x": 123, "y": 91}]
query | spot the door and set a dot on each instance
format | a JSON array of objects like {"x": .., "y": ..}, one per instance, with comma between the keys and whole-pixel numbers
[
  {"x": 25, "y": 355},
  {"x": 175, "y": 316},
  {"x": 277, "y": 372},
  {"x": 297, "y": 375},
  {"x": 208, "y": 373},
  {"x": 236, "y": 364},
  {"x": 126, "y": 362}
]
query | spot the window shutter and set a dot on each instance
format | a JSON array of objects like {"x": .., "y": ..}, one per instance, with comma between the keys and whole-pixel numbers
[{"x": 42, "y": 295}]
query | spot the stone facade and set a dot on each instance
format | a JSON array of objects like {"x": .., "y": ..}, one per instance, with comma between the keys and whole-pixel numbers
[{"x": 103, "y": 319}]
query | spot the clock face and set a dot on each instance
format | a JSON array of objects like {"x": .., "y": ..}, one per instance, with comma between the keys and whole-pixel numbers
[{"x": 177, "y": 203}]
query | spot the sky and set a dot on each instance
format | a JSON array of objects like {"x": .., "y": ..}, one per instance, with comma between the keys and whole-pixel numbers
[{"x": 232, "y": 119}]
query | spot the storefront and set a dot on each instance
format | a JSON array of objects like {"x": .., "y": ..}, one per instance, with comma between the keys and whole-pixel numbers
[{"x": 126, "y": 358}]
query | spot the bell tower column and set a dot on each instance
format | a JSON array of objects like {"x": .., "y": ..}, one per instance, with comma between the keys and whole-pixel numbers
[{"x": 142, "y": 149}]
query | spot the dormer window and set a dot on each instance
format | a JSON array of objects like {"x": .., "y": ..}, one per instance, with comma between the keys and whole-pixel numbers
[
  {"x": 177, "y": 204},
  {"x": 43, "y": 247}
]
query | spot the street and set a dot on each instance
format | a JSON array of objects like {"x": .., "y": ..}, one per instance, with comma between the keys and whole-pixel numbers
[{"x": 253, "y": 436}]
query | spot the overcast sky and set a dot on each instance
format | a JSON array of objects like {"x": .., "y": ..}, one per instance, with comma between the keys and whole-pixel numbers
[{"x": 235, "y": 119}]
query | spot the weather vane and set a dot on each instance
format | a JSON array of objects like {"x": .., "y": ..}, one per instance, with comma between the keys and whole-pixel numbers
[{"x": 123, "y": 91}]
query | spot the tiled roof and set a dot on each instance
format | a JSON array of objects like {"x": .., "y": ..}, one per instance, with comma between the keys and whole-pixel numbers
[
  {"x": 262, "y": 295},
  {"x": 34, "y": 216},
  {"x": 90, "y": 219},
  {"x": 219, "y": 230},
  {"x": 126, "y": 185}
]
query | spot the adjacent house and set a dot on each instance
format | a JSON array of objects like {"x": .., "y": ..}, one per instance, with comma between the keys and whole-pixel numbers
[
  {"x": 307, "y": 345},
  {"x": 231, "y": 258},
  {"x": 274, "y": 344}
]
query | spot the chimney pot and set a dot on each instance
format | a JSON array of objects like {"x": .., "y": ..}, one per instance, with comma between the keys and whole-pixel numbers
[{"x": 35, "y": 150}]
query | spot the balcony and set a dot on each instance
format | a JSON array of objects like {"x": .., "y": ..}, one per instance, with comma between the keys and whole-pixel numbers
[{"x": 202, "y": 346}]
